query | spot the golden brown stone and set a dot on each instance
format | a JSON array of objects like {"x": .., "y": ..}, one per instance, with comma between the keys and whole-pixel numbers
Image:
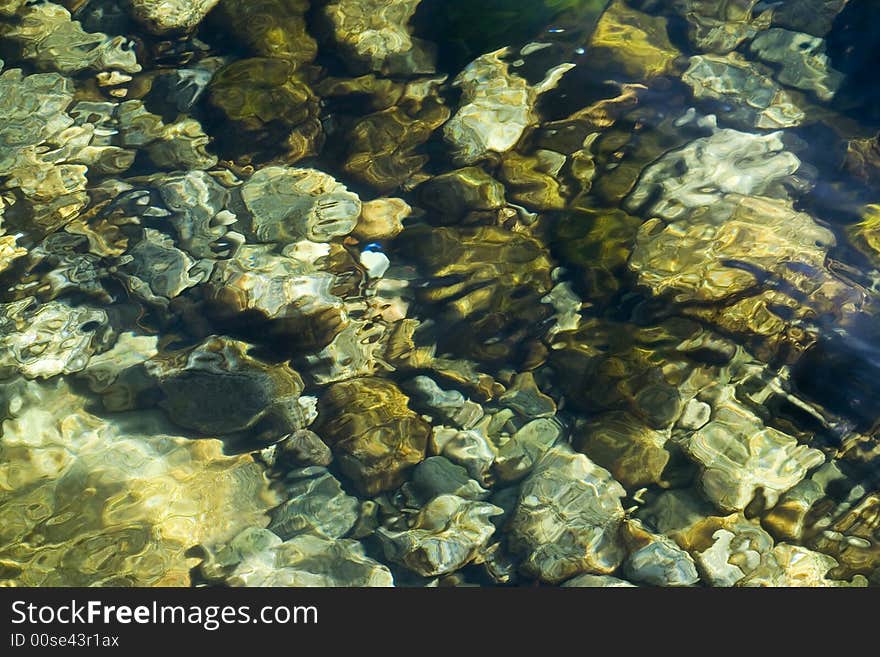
[
  {"x": 375, "y": 436},
  {"x": 632, "y": 43},
  {"x": 632, "y": 451},
  {"x": 271, "y": 28},
  {"x": 488, "y": 281}
]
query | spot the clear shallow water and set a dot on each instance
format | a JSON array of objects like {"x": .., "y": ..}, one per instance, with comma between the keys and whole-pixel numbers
[{"x": 435, "y": 294}]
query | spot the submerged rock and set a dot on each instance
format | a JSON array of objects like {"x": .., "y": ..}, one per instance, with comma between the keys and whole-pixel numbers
[
  {"x": 155, "y": 271},
  {"x": 814, "y": 17},
  {"x": 92, "y": 502},
  {"x": 631, "y": 42},
  {"x": 197, "y": 206},
  {"x": 437, "y": 475},
  {"x": 743, "y": 95},
  {"x": 801, "y": 59},
  {"x": 58, "y": 266},
  {"x": 446, "y": 534},
  {"x": 636, "y": 454},
  {"x": 575, "y": 134},
  {"x": 216, "y": 388},
  {"x": 286, "y": 204},
  {"x": 606, "y": 366},
  {"x": 674, "y": 510},
  {"x": 847, "y": 531},
  {"x": 740, "y": 456},
  {"x": 305, "y": 448},
  {"x": 179, "y": 145},
  {"x": 455, "y": 193},
  {"x": 130, "y": 350},
  {"x": 308, "y": 560},
  {"x": 381, "y": 219},
  {"x": 567, "y": 519},
  {"x": 44, "y": 340},
  {"x": 386, "y": 148},
  {"x": 596, "y": 581},
  {"x": 721, "y": 25},
  {"x": 375, "y": 36},
  {"x": 614, "y": 157},
  {"x": 627, "y": 277},
  {"x": 525, "y": 397},
  {"x": 446, "y": 406},
  {"x": 487, "y": 281},
  {"x": 52, "y": 41},
  {"x": 184, "y": 88},
  {"x": 270, "y": 107},
  {"x": 11, "y": 7},
  {"x": 359, "y": 349},
  {"x": 38, "y": 149},
  {"x": 727, "y": 550},
  {"x": 735, "y": 238},
  {"x": 863, "y": 160},
  {"x": 655, "y": 559},
  {"x": 533, "y": 180},
  {"x": 865, "y": 235},
  {"x": 734, "y": 551},
  {"x": 517, "y": 456},
  {"x": 598, "y": 242},
  {"x": 375, "y": 437},
  {"x": 164, "y": 16},
  {"x": 316, "y": 504},
  {"x": 9, "y": 251},
  {"x": 672, "y": 390},
  {"x": 289, "y": 295},
  {"x": 796, "y": 566},
  {"x": 764, "y": 261},
  {"x": 468, "y": 448},
  {"x": 790, "y": 519},
  {"x": 496, "y": 108},
  {"x": 271, "y": 28}
]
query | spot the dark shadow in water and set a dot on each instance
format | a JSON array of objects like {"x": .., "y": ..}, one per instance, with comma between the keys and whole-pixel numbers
[
  {"x": 842, "y": 370},
  {"x": 854, "y": 48}
]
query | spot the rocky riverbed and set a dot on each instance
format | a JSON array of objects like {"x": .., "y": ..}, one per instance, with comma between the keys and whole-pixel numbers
[{"x": 402, "y": 293}]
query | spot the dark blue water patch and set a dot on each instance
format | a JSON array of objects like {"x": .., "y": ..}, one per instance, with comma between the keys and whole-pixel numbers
[
  {"x": 833, "y": 195},
  {"x": 854, "y": 49},
  {"x": 842, "y": 371}
]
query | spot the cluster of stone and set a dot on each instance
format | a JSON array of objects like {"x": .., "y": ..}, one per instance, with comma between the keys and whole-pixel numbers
[{"x": 517, "y": 332}]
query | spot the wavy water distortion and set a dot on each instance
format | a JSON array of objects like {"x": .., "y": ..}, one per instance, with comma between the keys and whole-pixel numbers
[{"x": 390, "y": 292}]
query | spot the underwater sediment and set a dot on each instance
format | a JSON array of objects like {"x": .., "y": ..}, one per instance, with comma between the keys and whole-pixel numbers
[{"x": 400, "y": 292}]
